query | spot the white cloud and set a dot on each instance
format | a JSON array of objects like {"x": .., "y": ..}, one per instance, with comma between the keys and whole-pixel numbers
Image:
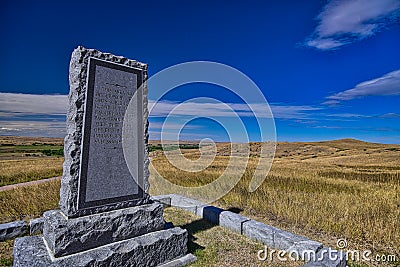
[
  {"x": 156, "y": 135},
  {"x": 39, "y": 115},
  {"x": 280, "y": 111},
  {"x": 347, "y": 115},
  {"x": 388, "y": 84},
  {"x": 325, "y": 44},
  {"x": 11, "y": 103},
  {"x": 342, "y": 22},
  {"x": 292, "y": 112},
  {"x": 389, "y": 116},
  {"x": 32, "y": 115},
  {"x": 33, "y": 128},
  {"x": 171, "y": 126}
]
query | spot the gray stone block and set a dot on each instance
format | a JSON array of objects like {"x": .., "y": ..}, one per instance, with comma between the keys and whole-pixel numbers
[
  {"x": 36, "y": 226},
  {"x": 66, "y": 236},
  {"x": 260, "y": 232},
  {"x": 279, "y": 239},
  {"x": 328, "y": 257},
  {"x": 290, "y": 241},
  {"x": 300, "y": 245},
  {"x": 188, "y": 204},
  {"x": 305, "y": 248},
  {"x": 12, "y": 229},
  {"x": 284, "y": 240},
  {"x": 152, "y": 249},
  {"x": 182, "y": 261},
  {"x": 232, "y": 221},
  {"x": 164, "y": 199}
]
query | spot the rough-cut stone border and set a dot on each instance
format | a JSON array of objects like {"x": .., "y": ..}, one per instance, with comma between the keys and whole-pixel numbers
[
  {"x": 268, "y": 235},
  {"x": 73, "y": 139},
  {"x": 232, "y": 221},
  {"x": 322, "y": 259},
  {"x": 12, "y": 229},
  {"x": 182, "y": 261},
  {"x": 36, "y": 226}
]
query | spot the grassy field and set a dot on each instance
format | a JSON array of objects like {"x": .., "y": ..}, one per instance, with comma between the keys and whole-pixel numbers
[
  {"x": 323, "y": 190},
  {"x": 24, "y": 159}
]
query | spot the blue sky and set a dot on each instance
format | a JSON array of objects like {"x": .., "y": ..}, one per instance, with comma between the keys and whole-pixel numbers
[{"x": 329, "y": 69}]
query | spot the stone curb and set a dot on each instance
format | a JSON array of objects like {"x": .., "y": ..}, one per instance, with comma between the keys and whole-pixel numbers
[
  {"x": 309, "y": 250},
  {"x": 268, "y": 235},
  {"x": 322, "y": 258},
  {"x": 183, "y": 261},
  {"x": 36, "y": 226},
  {"x": 12, "y": 229},
  {"x": 20, "y": 228}
]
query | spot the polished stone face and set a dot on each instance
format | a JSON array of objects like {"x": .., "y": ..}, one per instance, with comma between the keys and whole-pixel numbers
[{"x": 105, "y": 177}]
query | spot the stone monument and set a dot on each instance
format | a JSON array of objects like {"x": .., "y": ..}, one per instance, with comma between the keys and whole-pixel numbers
[{"x": 106, "y": 216}]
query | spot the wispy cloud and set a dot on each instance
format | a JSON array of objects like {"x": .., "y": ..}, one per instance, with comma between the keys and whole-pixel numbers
[
  {"x": 11, "y": 103},
  {"x": 342, "y": 22},
  {"x": 156, "y": 135},
  {"x": 33, "y": 128},
  {"x": 389, "y": 116},
  {"x": 346, "y": 115},
  {"x": 171, "y": 126},
  {"x": 33, "y": 115},
  {"x": 388, "y": 84},
  {"x": 362, "y": 129},
  {"x": 280, "y": 111},
  {"x": 29, "y": 114},
  {"x": 44, "y": 115}
]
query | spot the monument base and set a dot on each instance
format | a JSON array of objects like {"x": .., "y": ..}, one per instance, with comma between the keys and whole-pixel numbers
[
  {"x": 134, "y": 236},
  {"x": 65, "y": 236},
  {"x": 160, "y": 248}
]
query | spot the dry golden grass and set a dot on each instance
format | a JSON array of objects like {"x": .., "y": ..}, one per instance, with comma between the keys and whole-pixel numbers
[
  {"x": 25, "y": 170},
  {"x": 21, "y": 140},
  {"x": 6, "y": 248},
  {"x": 24, "y": 203},
  {"x": 325, "y": 190},
  {"x": 216, "y": 246},
  {"x": 328, "y": 190},
  {"x": 17, "y": 167}
]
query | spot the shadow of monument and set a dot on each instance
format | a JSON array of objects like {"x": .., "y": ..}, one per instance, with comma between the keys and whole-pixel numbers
[
  {"x": 203, "y": 225},
  {"x": 235, "y": 210},
  {"x": 193, "y": 228}
]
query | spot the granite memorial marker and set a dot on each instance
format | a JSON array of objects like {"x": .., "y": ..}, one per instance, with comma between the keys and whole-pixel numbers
[{"x": 106, "y": 216}]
